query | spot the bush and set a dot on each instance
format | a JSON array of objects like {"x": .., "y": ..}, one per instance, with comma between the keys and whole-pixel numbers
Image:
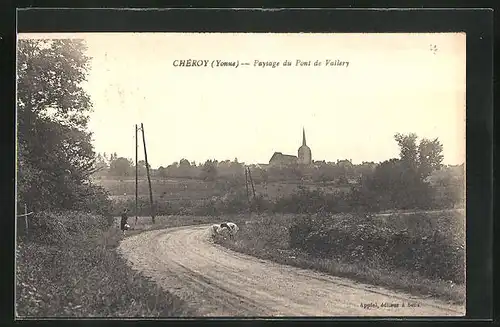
[
  {"x": 69, "y": 268},
  {"x": 356, "y": 252},
  {"x": 85, "y": 281},
  {"x": 415, "y": 244},
  {"x": 161, "y": 207},
  {"x": 313, "y": 201},
  {"x": 207, "y": 208},
  {"x": 57, "y": 228},
  {"x": 96, "y": 201}
]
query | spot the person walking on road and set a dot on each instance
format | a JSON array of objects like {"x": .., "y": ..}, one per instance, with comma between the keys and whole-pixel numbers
[{"x": 123, "y": 224}]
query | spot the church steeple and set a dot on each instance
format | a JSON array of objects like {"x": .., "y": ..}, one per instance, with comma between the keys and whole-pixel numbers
[{"x": 304, "y": 153}]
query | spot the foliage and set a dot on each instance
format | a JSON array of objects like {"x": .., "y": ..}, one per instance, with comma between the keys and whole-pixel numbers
[
  {"x": 63, "y": 228},
  {"x": 422, "y": 159},
  {"x": 430, "y": 157},
  {"x": 311, "y": 201},
  {"x": 401, "y": 183},
  {"x": 405, "y": 183},
  {"x": 271, "y": 237},
  {"x": 55, "y": 154},
  {"x": 70, "y": 269},
  {"x": 434, "y": 253},
  {"x": 122, "y": 167},
  {"x": 209, "y": 171}
]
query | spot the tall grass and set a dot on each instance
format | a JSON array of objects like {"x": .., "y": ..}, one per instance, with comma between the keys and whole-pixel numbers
[
  {"x": 361, "y": 248},
  {"x": 69, "y": 268}
]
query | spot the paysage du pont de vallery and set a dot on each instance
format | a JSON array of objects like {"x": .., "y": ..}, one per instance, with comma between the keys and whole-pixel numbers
[{"x": 258, "y": 63}]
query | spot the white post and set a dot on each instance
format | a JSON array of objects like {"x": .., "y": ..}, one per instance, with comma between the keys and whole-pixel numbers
[{"x": 26, "y": 218}]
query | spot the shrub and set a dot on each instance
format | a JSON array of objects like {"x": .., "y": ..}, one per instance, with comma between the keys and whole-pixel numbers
[
  {"x": 313, "y": 201},
  {"x": 56, "y": 228},
  {"x": 413, "y": 244},
  {"x": 299, "y": 230},
  {"x": 69, "y": 267},
  {"x": 85, "y": 281},
  {"x": 95, "y": 201}
]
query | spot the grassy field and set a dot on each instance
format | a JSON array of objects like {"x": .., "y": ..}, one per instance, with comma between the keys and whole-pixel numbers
[
  {"x": 168, "y": 189},
  {"x": 173, "y": 189},
  {"x": 269, "y": 237}
]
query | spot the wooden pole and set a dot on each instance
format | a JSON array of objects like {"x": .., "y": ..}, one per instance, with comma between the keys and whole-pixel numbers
[
  {"x": 147, "y": 172},
  {"x": 248, "y": 194},
  {"x": 246, "y": 184},
  {"x": 26, "y": 218},
  {"x": 136, "y": 174},
  {"x": 251, "y": 181}
]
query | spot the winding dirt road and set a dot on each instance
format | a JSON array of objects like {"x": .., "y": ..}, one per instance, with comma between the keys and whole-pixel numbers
[{"x": 220, "y": 282}]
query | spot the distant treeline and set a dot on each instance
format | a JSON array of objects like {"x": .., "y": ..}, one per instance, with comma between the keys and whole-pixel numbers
[
  {"x": 415, "y": 180},
  {"x": 417, "y": 161},
  {"x": 321, "y": 171}
]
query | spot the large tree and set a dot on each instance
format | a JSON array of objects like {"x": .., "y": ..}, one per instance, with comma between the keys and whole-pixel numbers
[
  {"x": 430, "y": 157},
  {"x": 55, "y": 154},
  {"x": 122, "y": 167},
  {"x": 421, "y": 159},
  {"x": 401, "y": 183}
]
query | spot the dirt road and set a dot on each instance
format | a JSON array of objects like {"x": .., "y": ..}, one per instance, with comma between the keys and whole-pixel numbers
[{"x": 220, "y": 282}]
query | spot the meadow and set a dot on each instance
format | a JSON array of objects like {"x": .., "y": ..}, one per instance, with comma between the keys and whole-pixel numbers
[{"x": 179, "y": 189}]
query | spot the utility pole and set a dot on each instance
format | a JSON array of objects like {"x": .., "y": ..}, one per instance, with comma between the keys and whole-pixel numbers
[
  {"x": 246, "y": 185},
  {"x": 149, "y": 177},
  {"x": 251, "y": 181},
  {"x": 136, "y": 173},
  {"x": 248, "y": 194}
]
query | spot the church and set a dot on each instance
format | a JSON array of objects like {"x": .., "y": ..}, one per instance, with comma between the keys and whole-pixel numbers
[{"x": 303, "y": 157}]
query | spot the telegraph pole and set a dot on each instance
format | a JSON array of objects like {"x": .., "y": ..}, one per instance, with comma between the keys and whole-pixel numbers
[
  {"x": 248, "y": 194},
  {"x": 251, "y": 181},
  {"x": 246, "y": 185},
  {"x": 136, "y": 173},
  {"x": 147, "y": 172}
]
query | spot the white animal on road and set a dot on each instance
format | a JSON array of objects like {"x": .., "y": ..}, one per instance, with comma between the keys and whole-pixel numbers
[
  {"x": 214, "y": 229},
  {"x": 224, "y": 228},
  {"x": 233, "y": 227}
]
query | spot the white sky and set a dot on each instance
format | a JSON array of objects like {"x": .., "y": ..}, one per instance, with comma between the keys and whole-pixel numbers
[{"x": 394, "y": 83}]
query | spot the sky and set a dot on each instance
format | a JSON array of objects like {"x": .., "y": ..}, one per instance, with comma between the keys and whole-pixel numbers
[{"x": 394, "y": 83}]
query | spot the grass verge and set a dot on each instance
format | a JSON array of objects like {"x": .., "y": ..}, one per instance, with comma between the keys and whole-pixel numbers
[
  {"x": 267, "y": 237},
  {"x": 74, "y": 271}
]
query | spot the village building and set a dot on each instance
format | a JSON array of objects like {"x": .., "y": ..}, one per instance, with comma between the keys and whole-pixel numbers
[
  {"x": 280, "y": 159},
  {"x": 304, "y": 156}
]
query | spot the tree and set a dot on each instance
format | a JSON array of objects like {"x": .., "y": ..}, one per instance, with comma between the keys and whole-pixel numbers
[
  {"x": 55, "y": 154},
  {"x": 401, "y": 183},
  {"x": 141, "y": 168},
  {"x": 184, "y": 163},
  {"x": 408, "y": 149},
  {"x": 101, "y": 165},
  {"x": 209, "y": 171},
  {"x": 429, "y": 157},
  {"x": 121, "y": 167},
  {"x": 422, "y": 159},
  {"x": 162, "y": 171}
]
